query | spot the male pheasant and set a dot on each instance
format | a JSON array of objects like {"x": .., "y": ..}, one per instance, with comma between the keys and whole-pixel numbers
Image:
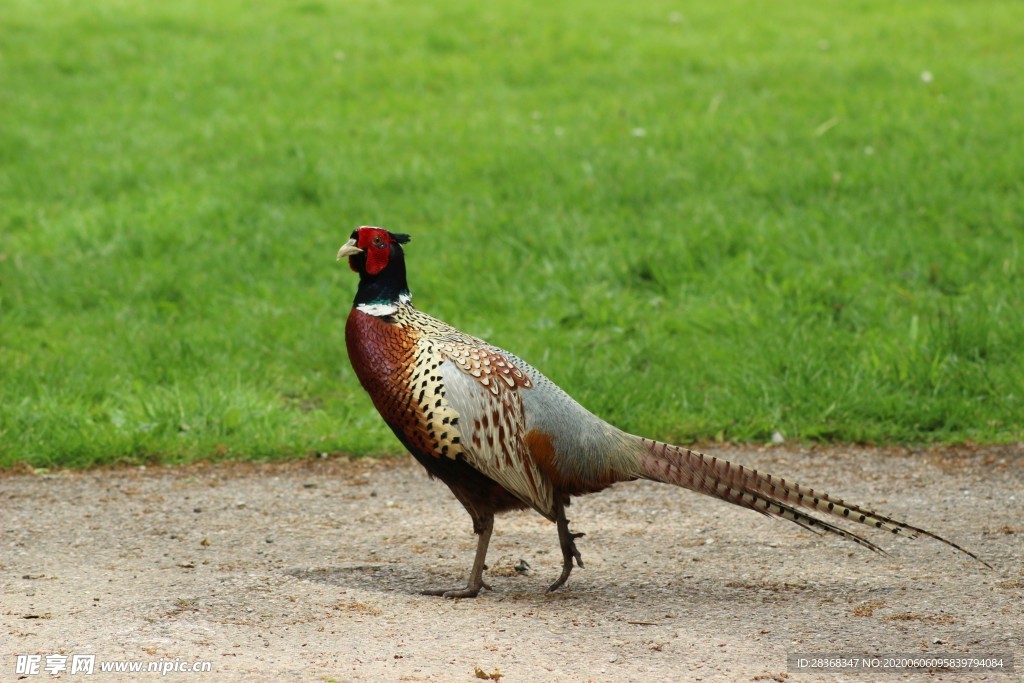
[{"x": 502, "y": 436}]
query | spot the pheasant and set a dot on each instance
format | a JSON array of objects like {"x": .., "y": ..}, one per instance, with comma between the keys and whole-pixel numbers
[{"x": 503, "y": 436}]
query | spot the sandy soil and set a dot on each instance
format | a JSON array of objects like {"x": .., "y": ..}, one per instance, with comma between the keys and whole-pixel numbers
[{"x": 310, "y": 570}]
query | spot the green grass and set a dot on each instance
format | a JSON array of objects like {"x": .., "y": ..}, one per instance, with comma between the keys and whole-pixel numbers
[{"x": 704, "y": 220}]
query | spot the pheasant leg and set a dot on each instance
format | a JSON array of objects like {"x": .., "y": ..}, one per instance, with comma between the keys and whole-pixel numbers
[
  {"x": 483, "y": 527},
  {"x": 567, "y": 540}
]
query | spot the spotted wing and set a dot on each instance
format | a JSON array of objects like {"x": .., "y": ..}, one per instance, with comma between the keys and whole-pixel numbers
[{"x": 483, "y": 388}]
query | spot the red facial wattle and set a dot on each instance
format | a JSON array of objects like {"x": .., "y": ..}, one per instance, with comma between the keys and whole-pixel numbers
[{"x": 376, "y": 246}]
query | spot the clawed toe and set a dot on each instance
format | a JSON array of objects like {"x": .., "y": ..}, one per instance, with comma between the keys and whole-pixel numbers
[{"x": 470, "y": 591}]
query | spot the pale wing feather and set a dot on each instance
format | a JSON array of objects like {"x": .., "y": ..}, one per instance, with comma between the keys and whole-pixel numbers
[{"x": 492, "y": 429}]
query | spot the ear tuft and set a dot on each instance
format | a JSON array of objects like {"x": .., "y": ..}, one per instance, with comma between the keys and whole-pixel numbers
[{"x": 400, "y": 237}]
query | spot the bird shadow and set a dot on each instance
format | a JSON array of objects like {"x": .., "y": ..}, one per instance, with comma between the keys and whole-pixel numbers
[
  {"x": 374, "y": 576},
  {"x": 386, "y": 577},
  {"x": 600, "y": 594}
]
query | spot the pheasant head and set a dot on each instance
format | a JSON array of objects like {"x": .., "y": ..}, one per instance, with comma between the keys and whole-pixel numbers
[{"x": 376, "y": 254}]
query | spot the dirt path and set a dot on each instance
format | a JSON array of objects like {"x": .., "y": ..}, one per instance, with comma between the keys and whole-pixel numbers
[{"x": 310, "y": 570}]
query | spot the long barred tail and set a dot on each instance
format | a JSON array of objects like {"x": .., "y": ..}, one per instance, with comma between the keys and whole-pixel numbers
[{"x": 767, "y": 494}]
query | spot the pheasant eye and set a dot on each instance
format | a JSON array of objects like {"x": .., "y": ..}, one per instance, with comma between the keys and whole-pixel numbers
[{"x": 377, "y": 241}]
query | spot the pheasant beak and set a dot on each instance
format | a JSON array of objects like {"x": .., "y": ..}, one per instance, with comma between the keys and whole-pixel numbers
[{"x": 348, "y": 249}]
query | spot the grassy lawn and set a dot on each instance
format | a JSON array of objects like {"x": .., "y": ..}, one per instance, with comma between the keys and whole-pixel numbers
[{"x": 704, "y": 220}]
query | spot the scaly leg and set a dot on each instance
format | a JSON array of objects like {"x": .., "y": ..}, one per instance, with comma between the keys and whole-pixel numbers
[
  {"x": 483, "y": 526},
  {"x": 567, "y": 540}
]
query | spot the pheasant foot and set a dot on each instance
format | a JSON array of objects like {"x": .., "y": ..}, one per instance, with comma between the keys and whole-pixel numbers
[
  {"x": 470, "y": 591},
  {"x": 483, "y": 525},
  {"x": 567, "y": 540}
]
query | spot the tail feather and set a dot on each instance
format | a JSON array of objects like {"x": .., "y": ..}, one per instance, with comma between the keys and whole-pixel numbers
[
  {"x": 768, "y": 494},
  {"x": 775, "y": 508}
]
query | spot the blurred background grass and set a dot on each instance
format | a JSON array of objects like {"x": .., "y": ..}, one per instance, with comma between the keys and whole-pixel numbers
[{"x": 703, "y": 221}]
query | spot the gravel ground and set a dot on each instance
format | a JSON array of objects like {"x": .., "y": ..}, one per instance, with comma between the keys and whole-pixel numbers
[{"x": 310, "y": 570}]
